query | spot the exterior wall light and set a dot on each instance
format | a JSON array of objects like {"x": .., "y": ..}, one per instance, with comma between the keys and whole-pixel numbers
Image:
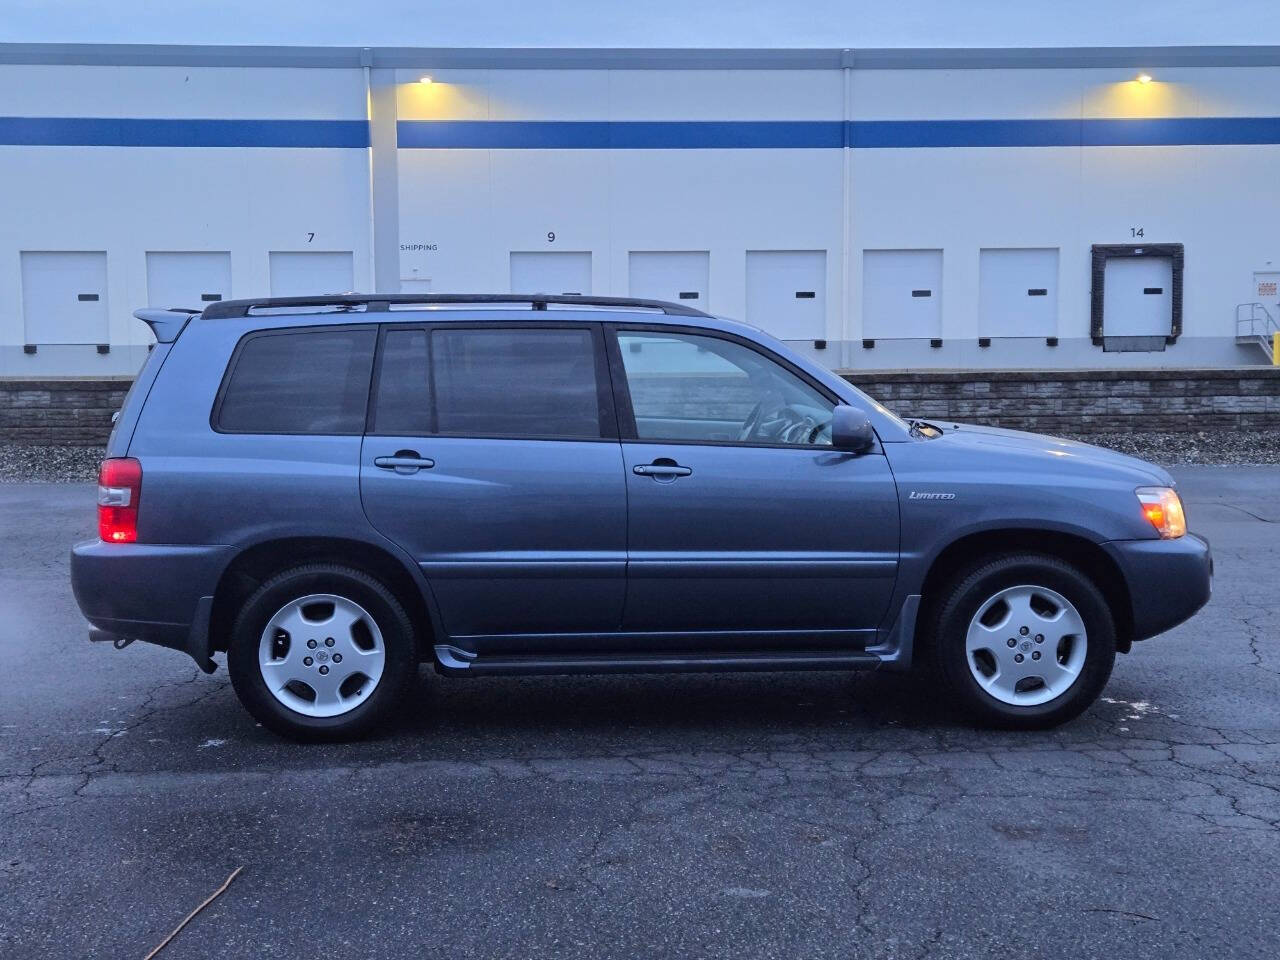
[
  {"x": 426, "y": 78},
  {"x": 1141, "y": 78}
]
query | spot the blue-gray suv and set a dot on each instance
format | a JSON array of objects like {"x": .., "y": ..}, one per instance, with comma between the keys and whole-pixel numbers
[{"x": 333, "y": 490}]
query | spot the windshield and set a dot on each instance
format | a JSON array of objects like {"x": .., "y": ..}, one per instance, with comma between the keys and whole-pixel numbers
[{"x": 880, "y": 408}]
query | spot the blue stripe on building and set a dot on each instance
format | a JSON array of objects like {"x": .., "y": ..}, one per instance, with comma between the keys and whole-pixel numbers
[
  {"x": 516, "y": 135},
  {"x": 129, "y": 132},
  {"x": 631, "y": 135},
  {"x": 965, "y": 133},
  {"x": 641, "y": 135},
  {"x": 1170, "y": 131},
  {"x": 1176, "y": 132}
]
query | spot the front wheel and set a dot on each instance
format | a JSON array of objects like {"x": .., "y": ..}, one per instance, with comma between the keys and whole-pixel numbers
[
  {"x": 321, "y": 652},
  {"x": 1023, "y": 641}
]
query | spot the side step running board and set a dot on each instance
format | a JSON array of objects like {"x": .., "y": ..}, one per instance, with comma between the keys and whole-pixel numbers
[{"x": 450, "y": 659}]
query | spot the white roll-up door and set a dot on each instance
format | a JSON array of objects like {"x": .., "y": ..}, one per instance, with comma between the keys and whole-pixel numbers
[
  {"x": 787, "y": 293},
  {"x": 677, "y": 276},
  {"x": 1137, "y": 297},
  {"x": 1018, "y": 292},
  {"x": 187, "y": 279},
  {"x": 901, "y": 294},
  {"x": 311, "y": 273},
  {"x": 64, "y": 297},
  {"x": 561, "y": 272}
]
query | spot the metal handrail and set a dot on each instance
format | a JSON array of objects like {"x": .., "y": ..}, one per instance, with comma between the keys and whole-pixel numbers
[{"x": 1269, "y": 324}]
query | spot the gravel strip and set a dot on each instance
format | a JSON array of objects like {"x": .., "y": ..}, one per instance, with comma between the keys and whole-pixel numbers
[
  {"x": 23, "y": 463},
  {"x": 20, "y": 463},
  {"x": 1219, "y": 448}
]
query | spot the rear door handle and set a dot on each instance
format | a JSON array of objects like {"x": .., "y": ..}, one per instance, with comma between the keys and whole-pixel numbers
[
  {"x": 404, "y": 462},
  {"x": 662, "y": 470}
]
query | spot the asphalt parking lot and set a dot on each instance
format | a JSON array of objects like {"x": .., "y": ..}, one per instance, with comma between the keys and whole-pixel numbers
[{"x": 764, "y": 815}]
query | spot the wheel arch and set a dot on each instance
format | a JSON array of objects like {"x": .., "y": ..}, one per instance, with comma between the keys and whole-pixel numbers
[
  {"x": 1084, "y": 554},
  {"x": 255, "y": 564}
]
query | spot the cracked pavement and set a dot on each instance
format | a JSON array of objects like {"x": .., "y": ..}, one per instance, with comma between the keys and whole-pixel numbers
[{"x": 710, "y": 815}]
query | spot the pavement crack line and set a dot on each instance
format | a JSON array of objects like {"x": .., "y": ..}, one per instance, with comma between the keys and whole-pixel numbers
[
  {"x": 94, "y": 762},
  {"x": 1142, "y": 917},
  {"x": 1248, "y": 513}
]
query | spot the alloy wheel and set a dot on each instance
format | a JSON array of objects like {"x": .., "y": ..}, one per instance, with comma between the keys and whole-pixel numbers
[
  {"x": 321, "y": 655},
  {"x": 1026, "y": 645}
]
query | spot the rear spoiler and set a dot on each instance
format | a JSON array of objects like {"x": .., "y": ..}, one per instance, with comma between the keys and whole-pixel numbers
[{"x": 165, "y": 323}]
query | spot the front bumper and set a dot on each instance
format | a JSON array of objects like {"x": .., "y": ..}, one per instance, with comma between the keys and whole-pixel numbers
[
  {"x": 1168, "y": 580},
  {"x": 157, "y": 593}
]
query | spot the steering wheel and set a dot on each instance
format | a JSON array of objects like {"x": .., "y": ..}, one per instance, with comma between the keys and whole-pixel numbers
[
  {"x": 817, "y": 431},
  {"x": 770, "y": 402},
  {"x": 801, "y": 431},
  {"x": 752, "y": 422}
]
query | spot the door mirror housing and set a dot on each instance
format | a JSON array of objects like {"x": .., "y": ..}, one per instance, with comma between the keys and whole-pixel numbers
[{"x": 851, "y": 430}]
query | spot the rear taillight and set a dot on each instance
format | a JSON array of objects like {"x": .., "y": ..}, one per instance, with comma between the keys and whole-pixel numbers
[{"x": 119, "y": 490}]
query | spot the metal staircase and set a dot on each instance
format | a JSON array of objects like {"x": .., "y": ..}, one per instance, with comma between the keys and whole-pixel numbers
[{"x": 1255, "y": 326}]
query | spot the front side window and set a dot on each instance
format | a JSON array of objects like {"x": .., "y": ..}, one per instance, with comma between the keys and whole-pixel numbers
[
  {"x": 299, "y": 382},
  {"x": 496, "y": 382},
  {"x": 706, "y": 389}
]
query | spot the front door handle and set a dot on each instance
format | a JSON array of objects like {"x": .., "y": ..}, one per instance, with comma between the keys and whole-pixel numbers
[
  {"x": 664, "y": 470},
  {"x": 404, "y": 462}
]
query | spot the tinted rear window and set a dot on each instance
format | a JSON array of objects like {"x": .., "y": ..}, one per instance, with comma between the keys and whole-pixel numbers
[
  {"x": 303, "y": 381},
  {"x": 532, "y": 382}
]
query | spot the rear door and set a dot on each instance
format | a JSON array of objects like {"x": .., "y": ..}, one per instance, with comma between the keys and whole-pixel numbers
[
  {"x": 492, "y": 457},
  {"x": 743, "y": 521}
]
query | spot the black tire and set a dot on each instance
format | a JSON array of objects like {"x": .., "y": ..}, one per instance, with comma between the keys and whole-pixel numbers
[
  {"x": 962, "y": 599},
  {"x": 400, "y": 665}
]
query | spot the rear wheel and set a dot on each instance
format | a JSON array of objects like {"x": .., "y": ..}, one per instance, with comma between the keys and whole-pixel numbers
[
  {"x": 1023, "y": 641},
  {"x": 321, "y": 652}
]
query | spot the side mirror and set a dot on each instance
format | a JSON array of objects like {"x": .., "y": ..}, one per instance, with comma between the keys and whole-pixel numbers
[{"x": 851, "y": 430}]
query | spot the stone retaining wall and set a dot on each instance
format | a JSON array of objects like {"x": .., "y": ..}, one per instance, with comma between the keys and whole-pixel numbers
[
  {"x": 78, "y": 412},
  {"x": 1085, "y": 401},
  {"x": 73, "y": 412}
]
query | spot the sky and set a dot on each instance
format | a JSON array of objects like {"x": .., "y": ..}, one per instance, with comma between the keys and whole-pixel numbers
[{"x": 645, "y": 23}]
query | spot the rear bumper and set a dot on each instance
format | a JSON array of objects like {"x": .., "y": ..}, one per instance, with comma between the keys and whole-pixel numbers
[
  {"x": 1168, "y": 580},
  {"x": 160, "y": 594}
]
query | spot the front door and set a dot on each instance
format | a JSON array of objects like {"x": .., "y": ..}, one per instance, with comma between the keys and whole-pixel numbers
[
  {"x": 744, "y": 525},
  {"x": 492, "y": 460}
]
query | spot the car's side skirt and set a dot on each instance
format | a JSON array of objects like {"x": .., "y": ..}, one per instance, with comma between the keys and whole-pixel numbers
[{"x": 454, "y": 660}]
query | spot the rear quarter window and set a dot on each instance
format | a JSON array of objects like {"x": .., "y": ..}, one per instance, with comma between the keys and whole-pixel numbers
[{"x": 313, "y": 381}]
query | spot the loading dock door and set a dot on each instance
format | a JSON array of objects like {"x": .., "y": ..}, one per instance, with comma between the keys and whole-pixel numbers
[
  {"x": 1018, "y": 293},
  {"x": 64, "y": 297},
  {"x": 682, "y": 277},
  {"x": 561, "y": 272},
  {"x": 1137, "y": 297},
  {"x": 787, "y": 293},
  {"x": 187, "y": 279},
  {"x": 901, "y": 294},
  {"x": 310, "y": 274}
]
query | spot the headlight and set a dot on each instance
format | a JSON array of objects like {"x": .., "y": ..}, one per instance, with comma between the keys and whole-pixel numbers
[{"x": 1163, "y": 508}]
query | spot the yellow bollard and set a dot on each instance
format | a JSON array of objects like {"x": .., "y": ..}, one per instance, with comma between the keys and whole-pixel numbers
[{"x": 1275, "y": 349}]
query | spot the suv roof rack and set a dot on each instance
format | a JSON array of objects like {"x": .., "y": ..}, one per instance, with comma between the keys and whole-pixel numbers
[{"x": 379, "y": 302}]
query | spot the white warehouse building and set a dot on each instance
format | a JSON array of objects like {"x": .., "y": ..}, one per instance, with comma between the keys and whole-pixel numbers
[{"x": 879, "y": 209}]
